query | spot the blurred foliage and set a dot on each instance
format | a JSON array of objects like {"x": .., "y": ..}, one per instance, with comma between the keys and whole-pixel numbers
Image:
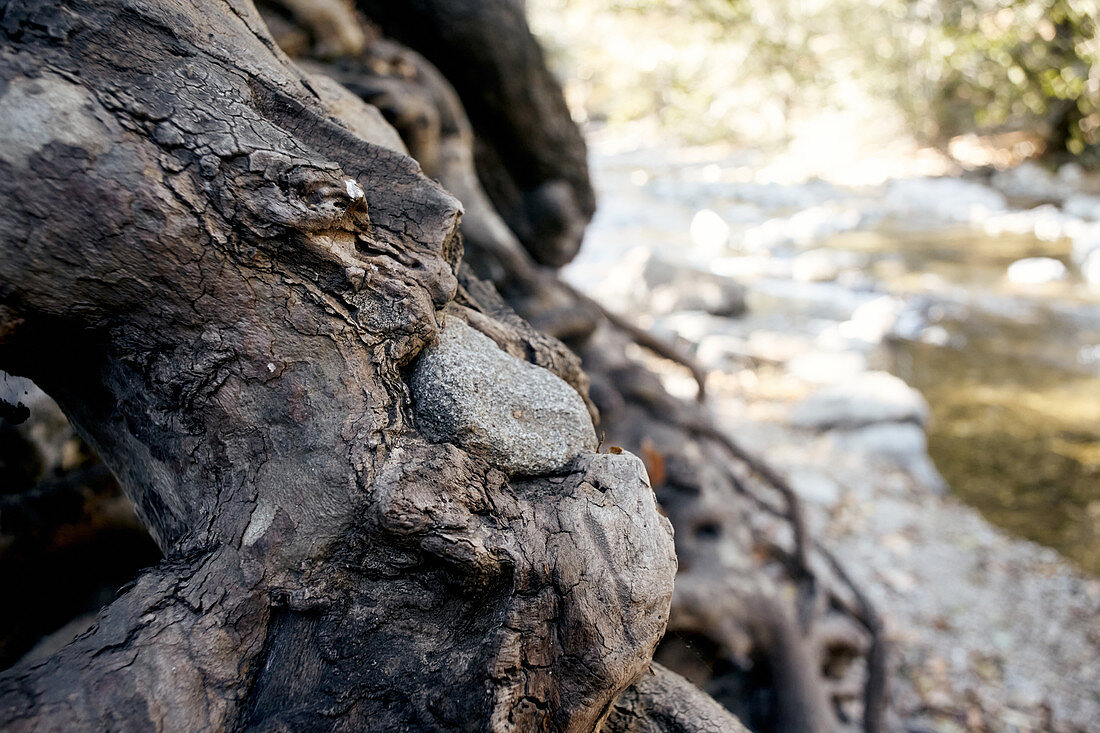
[
  {"x": 742, "y": 70},
  {"x": 984, "y": 65}
]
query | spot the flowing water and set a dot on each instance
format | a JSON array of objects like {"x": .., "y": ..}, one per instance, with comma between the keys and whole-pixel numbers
[
  {"x": 1008, "y": 356},
  {"x": 1012, "y": 376}
]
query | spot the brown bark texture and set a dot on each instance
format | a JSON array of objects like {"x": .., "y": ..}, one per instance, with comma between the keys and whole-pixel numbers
[
  {"x": 227, "y": 277},
  {"x": 763, "y": 617},
  {"x": 315, "y": 402}
]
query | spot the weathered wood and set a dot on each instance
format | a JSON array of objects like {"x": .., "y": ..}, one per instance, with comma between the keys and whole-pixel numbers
[
  {"x": 531, "y": 158},
  {"x": 792, "y": 645},
  {"x": 241, "y": 284},
  {"x": 247, "y": 318},
  {"x": 663, "y": 701}
]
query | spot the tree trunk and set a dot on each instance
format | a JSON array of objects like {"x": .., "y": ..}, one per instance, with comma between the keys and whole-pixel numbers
[{"x": 243, "y": 298}]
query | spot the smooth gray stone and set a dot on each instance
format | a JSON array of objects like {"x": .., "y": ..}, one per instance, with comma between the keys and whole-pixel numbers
[{"x": 522, "y": 418}]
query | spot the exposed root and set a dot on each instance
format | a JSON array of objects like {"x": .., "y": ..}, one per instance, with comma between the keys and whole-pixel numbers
[{"x": 660, "y": 347}]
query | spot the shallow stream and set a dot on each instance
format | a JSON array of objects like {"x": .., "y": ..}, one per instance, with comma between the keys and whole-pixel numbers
[
  {"x": 921, "y": 277},
  {"x": 1012, "y": 375}
]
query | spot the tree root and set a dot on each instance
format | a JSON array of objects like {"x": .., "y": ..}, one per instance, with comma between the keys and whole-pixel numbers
[{"x": 642, "y": 337}]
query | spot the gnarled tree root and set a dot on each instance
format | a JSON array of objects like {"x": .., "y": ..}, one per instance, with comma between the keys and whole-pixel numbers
[
  {"x": 247, "y": 281},
  {"x": 802, "y": 646}
]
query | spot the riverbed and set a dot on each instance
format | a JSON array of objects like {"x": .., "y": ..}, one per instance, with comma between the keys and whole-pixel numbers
[
  {"x": 972, "y": 296},
  {"x": 921, "y": 356}
]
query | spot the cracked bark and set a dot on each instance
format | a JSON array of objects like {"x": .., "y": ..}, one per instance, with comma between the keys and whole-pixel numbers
[
  {"x": 530, "y": 156},
  {"x": 763, "y": 617},
  {"x": 783, "y": 665},
  {"x": 241, "y": 271}
]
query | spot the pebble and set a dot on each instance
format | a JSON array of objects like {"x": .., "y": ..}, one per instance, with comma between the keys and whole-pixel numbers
[{"x": 1036, "y": 270}]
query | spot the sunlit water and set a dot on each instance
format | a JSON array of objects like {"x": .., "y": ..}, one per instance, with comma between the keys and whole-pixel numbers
[
  {"x": 1012, "y": 375},
  {"x": 912, "y": 277}
]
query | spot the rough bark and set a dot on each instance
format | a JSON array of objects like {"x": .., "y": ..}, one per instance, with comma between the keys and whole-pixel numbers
[
  {"x": 432, "y": 121},
  {"x": 665, "y": 701},
  {"x": 530, "y": 156},
  {"x": 763, "y": 618},
  {"x": 225, "y": 286},
  {"x": 303, "y": 630}
]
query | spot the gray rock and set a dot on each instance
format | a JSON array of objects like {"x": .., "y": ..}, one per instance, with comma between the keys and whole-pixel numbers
[
  {"x": 522, "y": 418},
  {"x": 1083, "y": 206},
  {"x": 817, "y": 300},
  {"x": 902, "y": 444},
  {"x": 874, "y": 397},
  {"x": 1036, "y": 271},
  {"x": 816, "y": 265},
  {"x": 828, "y": 367},
  {"x": 674, "y": 286},
  {"x": 814, "y": 487},
  {"x": 18, "y": 389},
  {"x": 46, "y": 429},
  {"x": 650, "y": 283}
]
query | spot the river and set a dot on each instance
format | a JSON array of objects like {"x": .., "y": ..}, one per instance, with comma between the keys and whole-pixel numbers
[{"x": 969, "y": 289}]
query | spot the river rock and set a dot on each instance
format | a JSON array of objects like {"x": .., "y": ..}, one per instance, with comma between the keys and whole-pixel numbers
[
  {"x": 825, "y": 300},
  {"x": 948, "y": 199},
  {"x": 709, "y": 231},
  {"x": 1086, "y": 252},
  {"x": 51, "y": 440},
  {"x": 814, "y": 487},
  {"x": 1090, "y": 268},
  {"x": 1036, "y": 271},
  {"x": 874, "y": 397},
  {"x": 1030, "y": 180},
  {"x": 644, "y": 280},
  {"x": 674, "y": 286},
  {"x": 828, "y": 367},
  {"x": 816, "y": 265},
  {"x": 522, "y": 418},
  {"x": 1083, "y": 206},
  {"x": 904, "y": 445}
]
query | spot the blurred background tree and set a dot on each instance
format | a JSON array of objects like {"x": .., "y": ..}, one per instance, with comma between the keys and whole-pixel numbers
[
  {"x": 990, "y": 65},
  {"x": 748, "y": 71}
]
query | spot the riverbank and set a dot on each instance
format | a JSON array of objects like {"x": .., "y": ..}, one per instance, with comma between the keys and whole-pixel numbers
[{"x": 842, "y": 286}]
